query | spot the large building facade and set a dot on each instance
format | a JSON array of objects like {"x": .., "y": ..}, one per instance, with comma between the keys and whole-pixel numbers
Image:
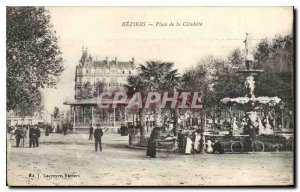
[{"x": 111, "y": 72}]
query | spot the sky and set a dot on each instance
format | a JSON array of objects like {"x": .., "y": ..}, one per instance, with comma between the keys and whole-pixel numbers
[{"x": 100, "y": 30}]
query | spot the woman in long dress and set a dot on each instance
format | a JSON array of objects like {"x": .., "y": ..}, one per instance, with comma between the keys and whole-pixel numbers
[
  {"x": 197, "y": 138},
  {"x": 151, "y": 147},
  {"x": 189, "y": 144}
]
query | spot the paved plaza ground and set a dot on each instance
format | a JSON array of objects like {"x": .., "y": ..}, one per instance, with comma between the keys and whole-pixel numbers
[{"x": 71, "y": 160}]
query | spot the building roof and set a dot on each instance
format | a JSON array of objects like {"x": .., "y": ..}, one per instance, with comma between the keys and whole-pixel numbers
[
  {"x": 99, "y": 63},
  {"x": 95, "y": 101},
  {"x": 87, "y": 60},
  {"x": 112, "y": 63},
  {"x": 122, "y": 64}
]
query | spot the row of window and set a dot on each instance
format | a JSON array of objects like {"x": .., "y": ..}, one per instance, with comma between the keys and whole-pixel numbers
[
  {"x": 112, "y": 80},
  {"x": 107, "y": 71}
]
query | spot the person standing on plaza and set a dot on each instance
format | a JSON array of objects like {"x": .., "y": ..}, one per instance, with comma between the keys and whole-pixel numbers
[
  {"x": 37, "y": 135},
  {"x": 18, "y": 136},
  {"x": 24, "y": 135},
  {"x": 12, "y": 132},
  {"x": 31, "y": 136},
  {"x": 180, "y": 138},
  {"x": 188, "y": 143},
  {"x": 151, "y": 147},
  {"x": 98, "y": 133},
  {"x": 197, "y": 140},
  {"x": 91, "y": 133},
  {"x": 65, "y": 129}
]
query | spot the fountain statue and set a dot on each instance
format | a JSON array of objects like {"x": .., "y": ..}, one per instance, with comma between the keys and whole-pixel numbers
[{"x": 250, "y": 100}]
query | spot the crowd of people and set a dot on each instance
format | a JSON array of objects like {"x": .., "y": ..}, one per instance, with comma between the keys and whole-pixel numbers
[
  {"x": 33, "y": 132},
  {"x": 188, "y": 141},
  {"x": 22, "y": 132}
]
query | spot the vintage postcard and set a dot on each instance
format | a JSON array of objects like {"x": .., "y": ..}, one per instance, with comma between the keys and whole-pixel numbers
[{"x": 150, "y": 96}]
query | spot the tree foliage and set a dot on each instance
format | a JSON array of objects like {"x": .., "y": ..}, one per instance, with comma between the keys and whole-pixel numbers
[
  {"x": 276, "y": 58},
  {"x": 99, "y": 88},
  {"x": 159, "y": 76},
  {"x": 33, "y": 58},
  {"x": 86, "y": 91},
  {"x": 216, "y": 78},
  {"x": 153, "y": 76}
]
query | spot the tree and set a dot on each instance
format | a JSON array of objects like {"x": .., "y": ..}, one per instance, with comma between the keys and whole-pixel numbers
[
  {"x": 136, "y": 84},
  {"x": 86, "y": 91},
  {"x": 161, "y": 77},
  {"x": 215, "y": 78},
  {"x": 33, "y": 58},
  {"x": 276, "y": 58},
  {"x": 153, "y": 76},
  {"x": 99, "y": 88}
]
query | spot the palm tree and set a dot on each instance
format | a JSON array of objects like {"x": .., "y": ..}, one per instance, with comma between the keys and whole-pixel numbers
[
  {"x": 160, "y": 77},
  {"x": 153, "y": 76},
  {"x": 136, "y": 84}
]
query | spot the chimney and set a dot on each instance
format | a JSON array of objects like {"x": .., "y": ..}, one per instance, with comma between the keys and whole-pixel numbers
[
  {"x": 106, "y": 60},
  {"x": 132, "y": 60},
  {"x": 116, "y": 60}
]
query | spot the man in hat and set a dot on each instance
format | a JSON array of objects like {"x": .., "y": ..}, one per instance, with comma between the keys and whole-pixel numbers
[
  {"x": 31, "y": 136},
  {"x": 37, "y": 135},
  {"x": 98, "y": 133},
  {"x": 18, "y": 136}
]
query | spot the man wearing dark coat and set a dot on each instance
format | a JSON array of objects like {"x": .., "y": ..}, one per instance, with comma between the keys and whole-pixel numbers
[
  {"x": 98, "y": 133},
  {"x": 31, "y": 136},
  {"x": 180, "y": 141},
  {"x": 217, "y": 147},
  {"x": 65, "y": 130},
  {"x": 18, "y": 136},
  {"x": 37, "y": 135}
]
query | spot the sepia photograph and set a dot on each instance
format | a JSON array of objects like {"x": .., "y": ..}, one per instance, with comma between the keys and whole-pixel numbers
[{"x": 150, "y": 96}]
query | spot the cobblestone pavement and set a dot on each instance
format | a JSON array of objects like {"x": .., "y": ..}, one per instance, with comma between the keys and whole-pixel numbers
[{"x": 71, "y": 161}]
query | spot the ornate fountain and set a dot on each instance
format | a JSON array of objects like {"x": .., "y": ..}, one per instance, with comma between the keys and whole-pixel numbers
[{"x": 250, "y": 101}]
